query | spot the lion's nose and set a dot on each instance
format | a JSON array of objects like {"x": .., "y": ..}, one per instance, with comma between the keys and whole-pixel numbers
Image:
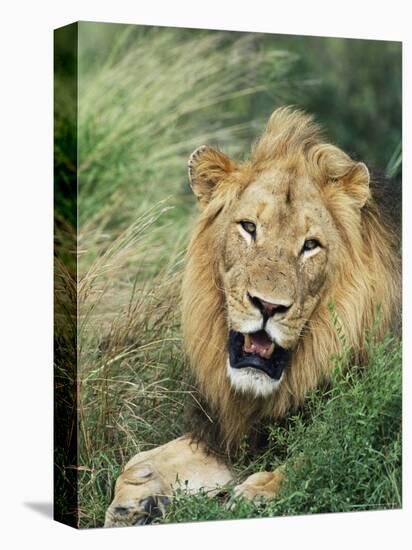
[{"x": 270, "y": 308}]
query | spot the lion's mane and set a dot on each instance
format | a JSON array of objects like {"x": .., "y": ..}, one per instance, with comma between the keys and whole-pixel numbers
[{"x": 368, "y": 276}]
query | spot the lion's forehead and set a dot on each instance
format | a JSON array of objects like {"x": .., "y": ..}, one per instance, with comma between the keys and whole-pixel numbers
[{"x": 282, "y": 200}]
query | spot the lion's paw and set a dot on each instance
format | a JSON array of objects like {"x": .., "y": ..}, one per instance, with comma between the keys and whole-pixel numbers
[
  {"x": 260, "y": 485},
  {"x": 141, "y": 495}
]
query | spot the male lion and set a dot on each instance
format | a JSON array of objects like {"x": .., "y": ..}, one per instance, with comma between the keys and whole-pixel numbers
[{"x": 279, "y": 238}]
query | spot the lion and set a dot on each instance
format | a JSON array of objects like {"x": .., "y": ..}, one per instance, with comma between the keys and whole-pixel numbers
[{"x": 279, "y": 238}]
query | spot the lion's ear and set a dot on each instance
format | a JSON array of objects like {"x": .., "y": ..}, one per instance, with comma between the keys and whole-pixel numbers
[
  {"x": 341, "y": 171},
  {"x": 207, "y": 167},
  {"x": 356, "y": 184}
]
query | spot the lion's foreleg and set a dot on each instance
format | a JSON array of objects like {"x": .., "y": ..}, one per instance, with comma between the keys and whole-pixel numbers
[{"x": 145, "y": 487}]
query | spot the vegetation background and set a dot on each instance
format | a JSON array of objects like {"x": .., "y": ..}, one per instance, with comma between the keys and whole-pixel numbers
[{"x": 147, "y": 97}]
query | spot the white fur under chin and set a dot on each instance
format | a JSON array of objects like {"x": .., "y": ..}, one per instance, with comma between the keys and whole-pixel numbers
[{"x": 252, "y": 381}]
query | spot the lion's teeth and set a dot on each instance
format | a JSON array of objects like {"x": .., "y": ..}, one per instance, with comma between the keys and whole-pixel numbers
[{"x": 250, "y": 346}]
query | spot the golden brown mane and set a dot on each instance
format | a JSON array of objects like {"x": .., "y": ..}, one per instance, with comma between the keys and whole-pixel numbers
[{"x": 367, "y": 276}]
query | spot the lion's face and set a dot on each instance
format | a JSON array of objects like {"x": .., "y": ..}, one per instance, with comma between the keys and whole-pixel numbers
[
  {"x": 276, "y": 245},
  {"x": 273, "y": 268}
]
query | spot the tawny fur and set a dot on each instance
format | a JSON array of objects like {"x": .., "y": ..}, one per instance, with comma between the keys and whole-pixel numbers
[{"x": 366, "y": 275}]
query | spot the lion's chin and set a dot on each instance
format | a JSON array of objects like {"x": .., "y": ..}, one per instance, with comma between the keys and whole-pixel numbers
[{"x": 252, "y": 382}]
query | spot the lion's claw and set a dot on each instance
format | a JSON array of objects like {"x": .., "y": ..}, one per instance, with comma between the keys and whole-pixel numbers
[{"x": 154, "y": 507}]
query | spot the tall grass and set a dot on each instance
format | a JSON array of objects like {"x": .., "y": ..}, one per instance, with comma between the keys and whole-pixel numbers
[
  {"x": 143, "y": 111},
  {"x": 129, "y": 363}
]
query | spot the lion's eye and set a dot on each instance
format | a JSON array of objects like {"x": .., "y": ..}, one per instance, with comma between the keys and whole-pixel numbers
[
  {"x": 249, "y": 227},
  {"x": 310, "y": 244}
]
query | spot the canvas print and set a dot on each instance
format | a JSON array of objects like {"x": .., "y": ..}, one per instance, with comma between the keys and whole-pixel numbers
[{"x": 227, "y": 275}]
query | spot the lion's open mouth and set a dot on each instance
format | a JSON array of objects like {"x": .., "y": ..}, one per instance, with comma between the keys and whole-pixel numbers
[{"x": 257, "y": 350}]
